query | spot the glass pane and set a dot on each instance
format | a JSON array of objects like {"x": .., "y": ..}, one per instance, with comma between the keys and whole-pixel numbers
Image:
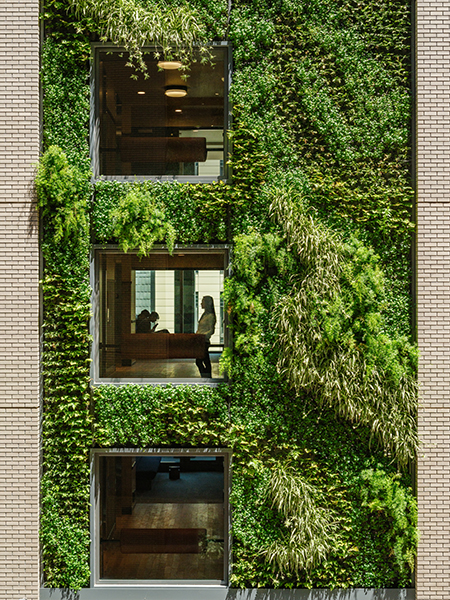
[
  {"x": 162, "y": 518},
  {"x": 161, "y": 317},
  {"x": 145, "y": 131}
]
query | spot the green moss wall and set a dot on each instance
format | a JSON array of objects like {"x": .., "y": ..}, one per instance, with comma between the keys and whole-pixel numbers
[{"x": 322, "y": 393}]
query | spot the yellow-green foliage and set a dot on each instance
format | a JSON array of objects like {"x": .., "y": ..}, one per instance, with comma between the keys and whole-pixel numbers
[
  {"x": 334, "y": 341},
  {"x": 174, "y": 30},
  {"x": 63, "y": 194},
  {"x": 138, "y": 222}
]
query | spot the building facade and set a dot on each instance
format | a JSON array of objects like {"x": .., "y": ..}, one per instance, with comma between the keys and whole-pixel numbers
[{"x": 22, "y": 574}]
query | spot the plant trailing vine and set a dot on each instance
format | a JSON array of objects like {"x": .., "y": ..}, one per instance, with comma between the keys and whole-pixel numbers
[
  {"x": 175, "y": 30},
  {"x": 333, "y": 337},
  {"x": 138, "y": 222},
  {"x": 63, "y": 197},
  {"x": 63, "y": 194}
]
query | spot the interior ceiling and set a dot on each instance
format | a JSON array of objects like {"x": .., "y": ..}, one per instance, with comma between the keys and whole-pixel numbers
[{"x": 204, "y": 83}]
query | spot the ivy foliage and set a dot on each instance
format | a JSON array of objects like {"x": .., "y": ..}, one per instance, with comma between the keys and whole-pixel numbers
[
  {"x": 198, "y": 214},
  {"x": 273, "y": 454},
  {"x": 63, "y": 197},
  {"x": 318, "y": 213},
  {"x": 65, "y": 104}
]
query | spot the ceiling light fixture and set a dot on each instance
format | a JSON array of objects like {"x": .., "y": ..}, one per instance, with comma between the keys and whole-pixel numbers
[
  {"x": 141, "y": 92},
  {"x": 169, "y": 65},
  {"x": 178, "y": 110},
  {"x": 176, "y": 91}
]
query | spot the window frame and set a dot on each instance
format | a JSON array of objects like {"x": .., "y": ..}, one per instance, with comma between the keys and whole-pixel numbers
[
  {"x": 94, "y": 121},
  {"x": 95, "y": 325},
  {"x": 95, "y": 455}
]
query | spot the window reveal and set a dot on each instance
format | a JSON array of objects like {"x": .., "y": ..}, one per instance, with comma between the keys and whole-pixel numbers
[
  {"x": 162, "y": 317},
  {"x": 162, "y": 517}
]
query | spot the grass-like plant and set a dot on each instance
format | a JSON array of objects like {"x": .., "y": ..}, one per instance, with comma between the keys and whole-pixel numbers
[
  {"x": 333, "y": 336},
  {"x": 175, "y": 30},
  {"x": 310, "y": 530}
]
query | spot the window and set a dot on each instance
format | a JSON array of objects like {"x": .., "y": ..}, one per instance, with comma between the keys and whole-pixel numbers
[
  {"x": 163, "y": 126},
  {"x": 160, "y": 317},
  {"x": 160, "y": 516}
]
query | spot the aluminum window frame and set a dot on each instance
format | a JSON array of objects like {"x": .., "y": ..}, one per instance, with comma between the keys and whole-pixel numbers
[
  {"x": 94, "y": 120},
  {"x": 96, "y": 454}
]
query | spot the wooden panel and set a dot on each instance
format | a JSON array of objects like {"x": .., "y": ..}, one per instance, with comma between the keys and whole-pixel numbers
[
  {"x": 163, "y": 345},
  {"x": 162, "y": 149}
]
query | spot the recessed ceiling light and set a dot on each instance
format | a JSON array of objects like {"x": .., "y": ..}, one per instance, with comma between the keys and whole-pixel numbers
[
  {"x": 178, "y": 110},
  {"x": 141, "y": 92},
  {"x": 169, "y": 65},
  {"x": 176, "y": 91}
]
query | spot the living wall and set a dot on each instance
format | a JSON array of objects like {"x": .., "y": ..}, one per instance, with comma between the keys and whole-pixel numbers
[{"x": 320, "y": 409}]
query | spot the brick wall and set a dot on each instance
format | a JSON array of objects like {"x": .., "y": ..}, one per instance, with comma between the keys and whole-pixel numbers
[
  {"x": 19, "y": 301},
  {"x": 433, "y": 296}
]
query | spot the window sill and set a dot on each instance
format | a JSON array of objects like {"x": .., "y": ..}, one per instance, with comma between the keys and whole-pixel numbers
[{"x": 161, "y": 178}]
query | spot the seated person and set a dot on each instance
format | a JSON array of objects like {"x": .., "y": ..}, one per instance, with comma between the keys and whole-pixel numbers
[
  {"x": 143, "y": 324},
  {"x": 147, "y": 322},
  {"x": 153, "y": 318}
]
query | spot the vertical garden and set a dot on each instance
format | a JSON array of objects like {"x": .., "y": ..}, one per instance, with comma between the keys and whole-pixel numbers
[{"x": 320, "y": 407}]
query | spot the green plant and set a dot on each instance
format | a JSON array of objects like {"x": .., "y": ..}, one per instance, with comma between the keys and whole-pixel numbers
[
  {"x": 310, "y": 531},
  {"x": 65, "y": 81},
  {"x": 334, "y": 343},
  {"x": 383, "y": 494},
  {"x": 175, "y": 30},
  {"x": 65, "y": 544},
  {"x": 63, "y": 196},
  {"x": 198, "y": 213},
  {"x": 139, "y": 223},
  {"x": 63, "y": 193},
  {"x": 320, "y": 132}
]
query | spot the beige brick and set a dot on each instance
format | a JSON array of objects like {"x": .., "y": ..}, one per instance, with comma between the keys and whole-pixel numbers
[
  {"x": 19, "y": 301},
  {"x": 433, "y": 293}
]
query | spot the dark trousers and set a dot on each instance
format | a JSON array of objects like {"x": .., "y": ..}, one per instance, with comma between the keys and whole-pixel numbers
[{"x": 204, "y": 364}]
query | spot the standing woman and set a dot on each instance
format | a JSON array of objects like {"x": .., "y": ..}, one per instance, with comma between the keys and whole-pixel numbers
[{"x": 206, "y": 326}]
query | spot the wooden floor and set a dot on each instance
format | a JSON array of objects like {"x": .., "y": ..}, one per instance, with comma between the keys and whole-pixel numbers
[
  {"x": 183, "y": 368},
  {"x": 207, "y": 564}
]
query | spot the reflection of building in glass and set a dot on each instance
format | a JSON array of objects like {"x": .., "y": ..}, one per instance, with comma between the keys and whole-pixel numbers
[{"x": 176, "y": 297}]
